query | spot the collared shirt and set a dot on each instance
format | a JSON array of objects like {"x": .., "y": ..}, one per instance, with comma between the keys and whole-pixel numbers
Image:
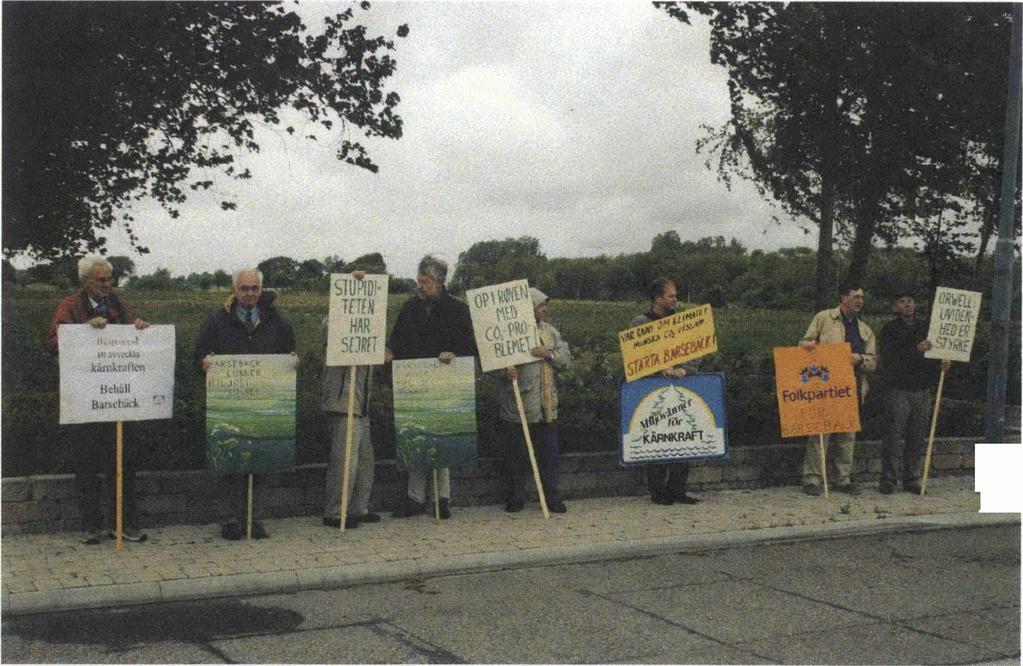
[{"x": 240, "y": 311}]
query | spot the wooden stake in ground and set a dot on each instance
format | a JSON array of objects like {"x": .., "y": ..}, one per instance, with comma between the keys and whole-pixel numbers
[
  {"x": 436, "y": 495},
  {"x": 119, "y": 493},
  {"x": 346, "y": 470},
  {"x": 824, "y": 462},
  {"x": 529, "y": 448},
  {"x": 930, "y": 439},
  {"x": 248, "y": 513}
]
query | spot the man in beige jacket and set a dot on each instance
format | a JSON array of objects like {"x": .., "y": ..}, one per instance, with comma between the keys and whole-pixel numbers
[{"x": 841, "y": 324}]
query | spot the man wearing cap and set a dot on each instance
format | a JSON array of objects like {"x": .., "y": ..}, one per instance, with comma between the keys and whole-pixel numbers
[
  {"x": 539, "y": 392},
  {"x": 907, "y": 377},
  {"x": 666, "y": 481}
]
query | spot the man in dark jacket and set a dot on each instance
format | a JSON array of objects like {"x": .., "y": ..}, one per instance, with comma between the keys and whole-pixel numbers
[
  {"x": 434, "y": 324},
  {"x": 247, "y": 324},
  {"x": 907, "y": 377},
  {"x": 94, "y": 453}
]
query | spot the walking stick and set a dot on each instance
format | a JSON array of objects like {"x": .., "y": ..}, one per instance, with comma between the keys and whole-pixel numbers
[
  {"x": 119, "y": 493},
  {"x": 930, "y": 439},
  {"x": 348, "y": 448},
  {"x": 529, "y": 448}
]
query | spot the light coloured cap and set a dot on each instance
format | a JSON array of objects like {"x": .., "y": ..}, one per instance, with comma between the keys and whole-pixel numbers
[{"x": 538, "y": 296}]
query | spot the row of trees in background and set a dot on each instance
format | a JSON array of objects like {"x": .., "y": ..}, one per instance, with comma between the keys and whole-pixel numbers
[{"x": 710, "y": 270}]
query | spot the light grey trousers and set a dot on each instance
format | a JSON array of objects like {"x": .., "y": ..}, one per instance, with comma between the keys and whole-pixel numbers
[{"x": 360, "y": 471}]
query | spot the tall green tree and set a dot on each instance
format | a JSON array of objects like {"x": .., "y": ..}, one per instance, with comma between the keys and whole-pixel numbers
[
  {"x": 121, "y": 267},
  {"x": 496, "y": 261},
  {"x": 108, "y": 103}
]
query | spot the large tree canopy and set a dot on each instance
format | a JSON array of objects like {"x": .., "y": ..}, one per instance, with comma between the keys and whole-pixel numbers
[{"x": 106, "y": 103}]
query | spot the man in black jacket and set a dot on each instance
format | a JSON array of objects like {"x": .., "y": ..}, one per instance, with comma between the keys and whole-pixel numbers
[
  {"x": 907, "y": 377},
  {"x": 247, "y": 324},
  {"x": 433, "y": 324}
]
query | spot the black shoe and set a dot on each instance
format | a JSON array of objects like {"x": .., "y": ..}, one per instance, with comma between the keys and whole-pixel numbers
[
  {"x": 885, "y": 488},
  {"x": 812, "y": 489},
  {"x": 258, "y": 531},
  {"x": 911, "y": 488},
  {"x": 367, "y": 518},
  {"x": 445, "y": 508},
  {"x": 408, "y": 507},
  {"x": 557, "y": 506},
  {"x": 91, "y": 537},
  {"x": 232, "y": 531},
  {"x": 849, "y": 489},
  {"x": 513, "y": 506},
  {"x": 661, "y": 498},
  {"x": 336, "y": 523},
  {"x": 686, "y": 499}
]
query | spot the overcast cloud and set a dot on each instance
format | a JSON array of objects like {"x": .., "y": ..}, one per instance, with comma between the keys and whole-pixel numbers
[{"x": 575, "y": 123}]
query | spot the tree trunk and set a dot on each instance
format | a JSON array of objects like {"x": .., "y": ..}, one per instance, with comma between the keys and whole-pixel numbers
[
  {"x": 863, "y": 240},
  {"x": 825, "y": 296}
]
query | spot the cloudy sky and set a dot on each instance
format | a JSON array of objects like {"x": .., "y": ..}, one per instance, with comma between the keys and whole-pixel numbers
[{"x": 575, "y": 123}]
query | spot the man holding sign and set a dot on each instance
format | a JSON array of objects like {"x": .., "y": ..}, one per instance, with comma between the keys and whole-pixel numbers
[
  {"x": 907, "y": 376},
  {"x": 97, "y": 306},
  {"x": 841, "y": 324},
  {"x": 433, "y": 324},
  {"x": 249, "y": 323}
]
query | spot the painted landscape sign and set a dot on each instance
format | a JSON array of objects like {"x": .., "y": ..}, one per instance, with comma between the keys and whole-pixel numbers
[
  {"x": 435, "y": 412},
  {"x": 666, "y": 342},
  {"x": 356, "y": 319},
  {"x": 250, "y": 413},
  {"x": 504, "y": 324},
  {"x": 816, "y": 390},
  {"x": 115, "y": 373},
  {"x": 953, "y": 325},
  {"x": 664, "y": 420}
]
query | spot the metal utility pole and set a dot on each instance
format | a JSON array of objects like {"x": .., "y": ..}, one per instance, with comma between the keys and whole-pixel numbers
[{"x": 994, "y": 418}]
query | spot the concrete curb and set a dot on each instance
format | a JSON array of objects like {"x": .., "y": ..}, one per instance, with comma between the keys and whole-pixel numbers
[{"x": 379, "y": 572}]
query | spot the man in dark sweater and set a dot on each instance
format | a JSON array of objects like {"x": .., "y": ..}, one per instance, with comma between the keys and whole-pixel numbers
[{"x": 907, "y": 377}]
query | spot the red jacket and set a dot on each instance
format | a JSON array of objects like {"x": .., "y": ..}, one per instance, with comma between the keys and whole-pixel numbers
[{"x": 77, "y": 309}]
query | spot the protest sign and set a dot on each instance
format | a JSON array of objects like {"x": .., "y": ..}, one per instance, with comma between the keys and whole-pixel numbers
[
  {"x": 664, "y": 420},
  {"x": 816, "y": 390},
  {"x": 954, "y": 318},
  {"x": 115, "y": 373},
  {"x": 435, "y": 412},
  {"x": 356, "y": 320},
  {"x": 250, "y": 413},
  {"x": 504, "y": 324},
  {"x": 666, "y": 342}
]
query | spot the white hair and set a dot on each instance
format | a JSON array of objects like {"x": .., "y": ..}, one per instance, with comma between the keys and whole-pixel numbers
[
  {"x": 238, "y": 275},
  {"x": 86, "y": 264},
  {"x": 434, "y": 267}
]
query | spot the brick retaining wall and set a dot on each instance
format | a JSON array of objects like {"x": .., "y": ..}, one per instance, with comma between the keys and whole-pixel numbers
[{"x": 48, "y": 503}]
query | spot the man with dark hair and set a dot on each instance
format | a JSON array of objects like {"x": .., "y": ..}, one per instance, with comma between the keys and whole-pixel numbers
[
  {"x": 907, "y": 377},
  {"x": 248, "y": 323},
  {"x": 666, "y": 481},
  {"x": 432, "y": 324},
  {"x": 841, "y": 324},
  {"x": 94, "y": 453}
]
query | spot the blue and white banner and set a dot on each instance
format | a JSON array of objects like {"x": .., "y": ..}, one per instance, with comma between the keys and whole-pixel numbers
[{"x": 664, "y": 420}]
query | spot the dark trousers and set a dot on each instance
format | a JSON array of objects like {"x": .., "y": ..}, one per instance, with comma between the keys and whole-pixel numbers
[
  {"x": 95, "y": 453},
  {"x": 515, "y": 467},
  {"x": 667, "y": 480},
  {"x": 904, "y": 443},
  {"x": 234, "y": 497}
]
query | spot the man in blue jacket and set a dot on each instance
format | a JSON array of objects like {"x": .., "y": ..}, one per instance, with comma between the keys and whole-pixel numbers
[{"x": 247, "y": 324}]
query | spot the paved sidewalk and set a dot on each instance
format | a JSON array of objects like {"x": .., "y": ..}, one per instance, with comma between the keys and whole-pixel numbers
[{"x": 47, "y": 572}]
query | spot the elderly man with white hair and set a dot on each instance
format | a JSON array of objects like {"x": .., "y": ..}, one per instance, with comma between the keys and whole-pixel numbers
[{"x": 92, "y": 443}]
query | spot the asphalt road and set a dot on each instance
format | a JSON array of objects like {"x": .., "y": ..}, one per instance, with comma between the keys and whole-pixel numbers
[{"x": 945, "y": 596}]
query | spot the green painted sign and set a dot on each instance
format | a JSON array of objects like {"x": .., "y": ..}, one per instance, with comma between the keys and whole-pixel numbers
[
  {"x": 250, "y": 413},
  {"x": 435, "y": 412}
]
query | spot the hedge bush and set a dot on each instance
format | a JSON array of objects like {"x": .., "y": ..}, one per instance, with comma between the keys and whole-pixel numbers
[{"x": 589, "y": 415}]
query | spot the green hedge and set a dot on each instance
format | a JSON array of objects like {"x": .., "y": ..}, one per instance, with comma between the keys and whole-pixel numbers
[{"x": 589, "y": 414}]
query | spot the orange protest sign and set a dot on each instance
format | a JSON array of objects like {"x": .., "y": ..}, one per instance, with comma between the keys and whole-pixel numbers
[
  {"x": 666, "y": 342},
  {"x": 816, "y": 390}
]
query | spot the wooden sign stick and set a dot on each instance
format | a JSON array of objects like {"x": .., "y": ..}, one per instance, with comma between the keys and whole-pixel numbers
[
  {"x": 930, "y": 439},
  {"x": 119, "y": 493},
  {"x": 348, "y": 448},
  {"x": 248, "y": 513},
  {"x": 824, "y": 463},
  {"x": 436, "y": 496},
  {"x": 529, "y": 448}
]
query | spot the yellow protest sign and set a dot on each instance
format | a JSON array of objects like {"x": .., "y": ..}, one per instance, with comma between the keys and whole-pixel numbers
[
  {"x": 666, "y": 342},
  {"x": 816, "y": 390}
]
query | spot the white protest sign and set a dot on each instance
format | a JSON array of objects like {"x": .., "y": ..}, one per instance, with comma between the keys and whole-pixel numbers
[
  {"x": 356, "y": 320},
  {"x": 115, "y": 373},
  {"x": 954, "y": 316},
  {"x": 504, "y": 324}
]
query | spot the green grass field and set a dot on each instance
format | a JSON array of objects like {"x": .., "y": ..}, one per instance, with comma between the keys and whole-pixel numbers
[{"x": 589, "y": 405}]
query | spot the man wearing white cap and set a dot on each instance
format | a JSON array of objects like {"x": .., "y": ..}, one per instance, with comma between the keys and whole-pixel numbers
[{"x": 539, "y": 392}]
